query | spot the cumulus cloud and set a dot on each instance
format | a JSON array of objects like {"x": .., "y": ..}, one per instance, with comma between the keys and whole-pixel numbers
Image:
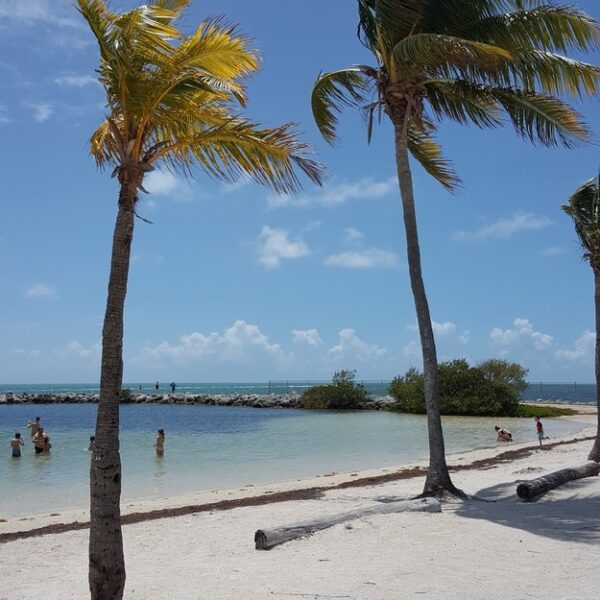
[
  {"x": 584, "y": 347},
  {"x": 161, "y": 183},
  {"x": 505, "y": 228},
  {"x": 75, "y": 348},
  {"x": 351, "y": 348},
  {"x": 371, "y": 258},
  {"x": 309, "y": 337},
  {"x": 76, "y": 80},
  {"x": 522, "y": 331},
  {"x": 443, "y": 329},
  {"x": 274, "y": 245},
  {"x": 4, "y": 118},
  {"x": 353, "y": 235},
  {"x": 336, "y": 194},
  {"x": 240, "y": 343},
  {"x": 36, "y": 11},
  {"x": 42, "y": 111},
  {"x": 41, "y": 290}
]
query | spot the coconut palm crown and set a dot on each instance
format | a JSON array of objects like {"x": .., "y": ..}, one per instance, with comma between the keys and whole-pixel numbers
[
  {"x": 584, "y": 208},
  {"x": 480, "y": 62},
  {"x": 171, "y": 99}
]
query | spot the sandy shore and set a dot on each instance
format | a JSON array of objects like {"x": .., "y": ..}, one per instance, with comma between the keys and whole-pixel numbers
[{"x": 474, "y": 549}]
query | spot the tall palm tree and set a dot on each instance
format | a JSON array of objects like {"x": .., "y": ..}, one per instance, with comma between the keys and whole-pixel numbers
[
  {"x": 470, "y": 61},
  {"x": 171, "y": 99},
  {"x": 584, "y": 209}
]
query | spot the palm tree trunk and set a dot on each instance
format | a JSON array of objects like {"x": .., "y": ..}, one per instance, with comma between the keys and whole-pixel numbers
[
  {"x": 106, "y": 560},
  {"x": 595, "y": 453},
  {"x": 438, "y": 477}
]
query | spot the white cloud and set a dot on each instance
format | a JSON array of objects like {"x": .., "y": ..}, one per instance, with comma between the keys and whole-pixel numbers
[
  {"x": 352, "y": 234},
  {"x": 505, "y": 228},
  {"x": 239, "y": 343},
  {"x": 41, "y": 290},
  {"x": 42, "y": 111},
  {"x": 22, "y": 353},
  {"x": 75, "y": 348},
  {"x": 309, "y": 337},
  {"x": 443, "y": 329},
  {"x": 274, "y": 245},
  {"x": 35, "y": 11},
  {"x": 522, "y": 331},
  {"x": 465, "y": 337},
  {"x": 3, "y": 115},
  {"x": 352, "y": 348},
  {"x": 336, "y": 194},
  {"x": 584, "y": 348},
  {"x": 154, "y": 259},
  {"x": 234, "y": 186},
  {"x": 76, "y": 80},
  {"x": 412, "y": 350},
  {"x": 371, "y": 258},
  {"x": 161, "y": 183},
  {"x": 552, "y": 251}
]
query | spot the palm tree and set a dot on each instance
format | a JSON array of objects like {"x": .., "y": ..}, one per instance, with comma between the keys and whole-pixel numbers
[
  {"x": 171, "y": 99},
  {"x": 470, "y": 61},
  {"x": 584, "y": 209}
]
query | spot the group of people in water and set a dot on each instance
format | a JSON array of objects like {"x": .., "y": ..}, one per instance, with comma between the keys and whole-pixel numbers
[
  {"x": 504, "y": 435},
  {"x": 42, "y": 445}
]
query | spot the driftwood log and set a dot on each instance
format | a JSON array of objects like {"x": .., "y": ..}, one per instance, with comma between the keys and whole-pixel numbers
[
  {"x": 528, "y": 490},
  {"x": 265, "y": 539}
]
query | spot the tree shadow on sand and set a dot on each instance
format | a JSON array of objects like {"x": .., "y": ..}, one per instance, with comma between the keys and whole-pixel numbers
[{"x": 571, "y": 513}]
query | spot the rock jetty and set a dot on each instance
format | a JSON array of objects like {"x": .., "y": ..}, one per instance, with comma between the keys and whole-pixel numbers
[{"x": 291, "y": 400}]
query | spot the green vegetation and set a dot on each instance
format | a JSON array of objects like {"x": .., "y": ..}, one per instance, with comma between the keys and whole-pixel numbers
[
  {"x": 343, "y": 393},
  {"x": 491, "y": 388},
  {"x": 544, "y": 412}
]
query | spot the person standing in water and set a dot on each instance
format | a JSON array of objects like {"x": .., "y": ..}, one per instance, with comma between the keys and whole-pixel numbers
[
  {"x": 39, "y": 441},
  {"x": 34, "y": 426},
  {"x": 160, "y": 442},
  {"x": 16, "y": 444}
]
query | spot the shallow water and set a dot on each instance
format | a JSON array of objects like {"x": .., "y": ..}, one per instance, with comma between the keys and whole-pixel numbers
[{"x": 211, "y": 447}]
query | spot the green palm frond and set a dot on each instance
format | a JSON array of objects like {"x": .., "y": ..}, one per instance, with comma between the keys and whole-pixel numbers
[
  {"x": 437, "y": 53},
  {"x": 542, "y": 119},
  {"x": 584, "y": 209},
  {"x": 428, "y": 153},
  {"x": 335, "y": 90},
  {"x": 545, "y": 27}
]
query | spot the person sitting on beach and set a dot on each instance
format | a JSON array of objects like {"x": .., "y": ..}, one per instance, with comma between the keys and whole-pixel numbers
[
  {"x": 160, "y": 442},
  {"x": 34, "y": 426},
  {"x": 503, "y": 434},
  {"x": 91, "y": 443},
  {"x": 16, "y": 444},
  {"x": 39, "y": 440}
]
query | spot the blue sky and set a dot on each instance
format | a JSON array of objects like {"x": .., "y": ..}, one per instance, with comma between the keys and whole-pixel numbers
[{"x": 232, "y": 283}]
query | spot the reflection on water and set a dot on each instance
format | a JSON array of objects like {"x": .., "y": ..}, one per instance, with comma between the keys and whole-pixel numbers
[{"x": 220, "y": 447}]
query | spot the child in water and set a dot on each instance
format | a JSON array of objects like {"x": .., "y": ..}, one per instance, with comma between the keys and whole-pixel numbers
[
  {"x": 16, "y": 444},
  {"x": 160, "y": 442}
]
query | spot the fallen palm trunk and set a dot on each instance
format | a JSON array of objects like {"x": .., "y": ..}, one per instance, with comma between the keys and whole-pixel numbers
[
  {"x": 536, "y": 487},
  {"x": 265, "y": 539}
]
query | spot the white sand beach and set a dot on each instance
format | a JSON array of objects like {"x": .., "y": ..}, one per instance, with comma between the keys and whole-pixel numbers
[{"x": 500, "y": 548}]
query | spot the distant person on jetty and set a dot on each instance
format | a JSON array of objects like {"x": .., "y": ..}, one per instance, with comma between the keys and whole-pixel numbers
[
  {"x": 34, "y": 426},
  {"x": 539, "y": 428},
  {"x": 173, "y": 386},
  {"x": 39, "y": 440},
  {"x": 160, "y": 442},
  {"x": 140, "y": 387},
  {"x": 16, "y": 444},
  {"x": 157, "y": 386},
  {"x": 91, "y": 443},
  {"x": 504, "y": 435}
]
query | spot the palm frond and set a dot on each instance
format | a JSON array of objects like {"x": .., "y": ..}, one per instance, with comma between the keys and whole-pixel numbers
[
  {"x": 428, "y": 153},
  {"x": 332, "y": 91},
  {"x": 584, "y": 209},
  {"x": 542, "y": 119}
]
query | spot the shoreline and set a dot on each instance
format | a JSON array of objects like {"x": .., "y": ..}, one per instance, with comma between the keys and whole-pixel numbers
[{"x": 138, "y": 511}]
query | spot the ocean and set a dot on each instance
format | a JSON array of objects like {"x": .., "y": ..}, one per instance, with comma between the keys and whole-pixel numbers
[{"x": 211, "y": 447}]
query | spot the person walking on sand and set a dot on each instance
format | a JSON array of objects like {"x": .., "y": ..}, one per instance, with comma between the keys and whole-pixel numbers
[
  {"x": 34, "y": 426},
  {"x": 160, "y": 442},
  {"x": 539, "y": 428},
  {"x": 39, "y": 440},
  {"x": 16, "y": 444}
]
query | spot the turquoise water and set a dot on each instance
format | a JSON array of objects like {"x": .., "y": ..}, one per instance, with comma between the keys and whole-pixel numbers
[
  {"x": 220, "y": 447},
  {"x": 561, "y": 392}
]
